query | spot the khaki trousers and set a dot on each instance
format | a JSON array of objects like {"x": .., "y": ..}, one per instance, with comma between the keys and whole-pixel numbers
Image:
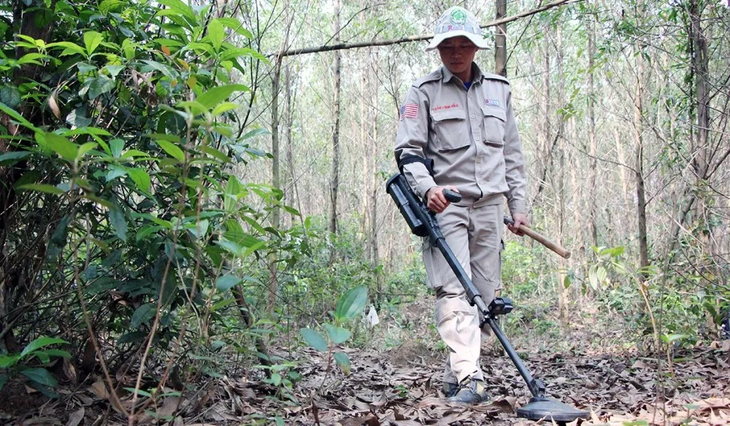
[{"x": 474, "y": 234}]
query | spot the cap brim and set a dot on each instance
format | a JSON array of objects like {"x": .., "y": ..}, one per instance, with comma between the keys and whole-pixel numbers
[{"x": 478, "y": 41}]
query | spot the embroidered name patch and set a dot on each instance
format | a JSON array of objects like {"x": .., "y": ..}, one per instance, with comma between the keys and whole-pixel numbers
[
  {"x": 409, "y": 111},
  {"x": 443, "y": 107},
  {"x": 493, "y": 102}
]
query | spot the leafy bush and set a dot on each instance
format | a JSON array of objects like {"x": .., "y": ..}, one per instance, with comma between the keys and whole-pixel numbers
[{"x": 122, "y": 215}]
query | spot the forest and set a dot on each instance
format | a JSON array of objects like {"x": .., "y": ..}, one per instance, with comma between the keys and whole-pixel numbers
[{"x": 195, "y": 229}]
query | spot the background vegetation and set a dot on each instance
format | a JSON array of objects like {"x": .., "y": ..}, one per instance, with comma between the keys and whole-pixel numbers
[{"x": 180, "y": 187}]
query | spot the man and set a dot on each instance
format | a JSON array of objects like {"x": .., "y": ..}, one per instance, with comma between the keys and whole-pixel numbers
[{"x": 457, "y": 131}]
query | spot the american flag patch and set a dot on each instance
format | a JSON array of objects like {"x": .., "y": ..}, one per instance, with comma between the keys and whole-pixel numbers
[{"x": 409, "y": 111}]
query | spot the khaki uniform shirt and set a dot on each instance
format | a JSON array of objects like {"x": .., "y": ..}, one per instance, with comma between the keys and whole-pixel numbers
[{"x": 471, "y": 136}]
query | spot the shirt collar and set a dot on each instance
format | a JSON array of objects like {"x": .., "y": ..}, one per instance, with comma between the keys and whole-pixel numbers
[{"x": 477, "y": 75}]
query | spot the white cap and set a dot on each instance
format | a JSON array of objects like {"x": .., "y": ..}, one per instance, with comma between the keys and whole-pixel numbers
[{"x": 455, "y": 22}]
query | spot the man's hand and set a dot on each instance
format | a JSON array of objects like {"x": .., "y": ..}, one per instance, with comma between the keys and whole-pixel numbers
[
  {"x": 519, "y": 219},
  {"x": 435, "y": 200}
]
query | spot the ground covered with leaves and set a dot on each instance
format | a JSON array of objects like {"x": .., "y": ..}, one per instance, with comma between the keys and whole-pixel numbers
[{"x": 396, "y": 380}]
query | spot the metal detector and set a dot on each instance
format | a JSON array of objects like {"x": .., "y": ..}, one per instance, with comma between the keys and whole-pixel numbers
[{"x": 423, "y": 223}]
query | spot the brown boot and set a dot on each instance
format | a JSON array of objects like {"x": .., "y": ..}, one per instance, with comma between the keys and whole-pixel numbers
[{"x": 470, "y": 392}]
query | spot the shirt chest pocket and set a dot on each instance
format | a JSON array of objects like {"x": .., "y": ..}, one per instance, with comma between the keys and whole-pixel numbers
[
  {"x": 494, "y": 121},
  {"x": 450, "y": 129}
]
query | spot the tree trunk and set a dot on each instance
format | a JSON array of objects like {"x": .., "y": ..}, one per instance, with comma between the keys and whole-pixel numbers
[
  {"x": 335, "y": 180},
  {"x": 560, "y": 190},
  {"x": 639, "y": 160},
  {"x": 275, "y": 181},
  {"x": 500, "y": 40},
  {"x": 593, "y": 169},
  {"x": 375, "y": 257}
]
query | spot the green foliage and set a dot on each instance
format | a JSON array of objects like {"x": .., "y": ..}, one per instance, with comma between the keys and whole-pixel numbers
[
  {"x": 309, "y": 276},
  {"x": 26, "y": 364},
  {"x": 123, "y": 137},
  {"x": 349, "y": 306}
]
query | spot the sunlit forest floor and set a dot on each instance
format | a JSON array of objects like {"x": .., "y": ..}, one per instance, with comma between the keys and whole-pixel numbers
[{"x": 396, "y": 379}]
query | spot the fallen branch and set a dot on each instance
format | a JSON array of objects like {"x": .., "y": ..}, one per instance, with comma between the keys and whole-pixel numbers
[{"x": 372, "y": 43}]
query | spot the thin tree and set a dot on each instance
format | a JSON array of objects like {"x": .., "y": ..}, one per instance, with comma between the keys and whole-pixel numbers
[
  {"x": 335, "y": 179},
  {"x": 500, "y": 39}
]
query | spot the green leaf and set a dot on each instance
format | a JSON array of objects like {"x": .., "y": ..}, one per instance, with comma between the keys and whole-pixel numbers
[
  {"x": 236, "y": 26},
  {"x": 60, "y": 145},
  {"x": 114, "y": 70},
  {"x": 100, "y": 85},
  {"x": 41, "y": 187},
  {"x": 14, "y": 114},
  {"x": 70, "y": 48},
  {"x": 198, "y": 228},
  {"x": 87, "y": 131},
  {"x": 216, "y": 33},
  {"x": 143, "y": 314},
  {"x": 230, "y": 196},
  {"x": 231, "y": 247},
  {"x": 256, "y": 132},
  {"x": 218, "y": 155},
  {"x": 601, "y": 274},
  {"x": 40, "y": 375},
  {"x": 107, "y": 6},
  {"x": 116, "y": 146},
  {"x": 13, "y": 157},
  {"x": 115, "y": 172},
  {"x": 83, "y": 149},
  {"x": 225, "y": 282},
  {"x": 216, "y": 95},
  {"x": 351, "y": 304},
  {"x": 128, "y": 48},
  {"x": 237, "y": 52},
  {"x": 276, "y": 379},
  {"x": 671, "y": 338},
  {"x": 139, "y": 392},
  {"x": 337, "y": 334},
  {"x": 7, "y": 361},
  {"x": 180, "y": 8},
  {"x": 118, "y": 222},
  {"x": 313, "y": 339},
  {"x": 224, "y": 107},
  {"x": 172, "y": 150},
  {"x": 164, "y": 69},
  {"x": 40, "y": 343},
  {"x": 92, "y": 39},
  {"x": 140, "y": 178},
  {"x": 42, "y": 356},
  {"x": 10, "y": 96},
  {"x": 343, "y": 361},
  {"x": 32, "y": 58}
]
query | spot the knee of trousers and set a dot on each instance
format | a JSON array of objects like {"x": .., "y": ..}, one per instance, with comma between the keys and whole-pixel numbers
[{"x": 455, "y": 313}]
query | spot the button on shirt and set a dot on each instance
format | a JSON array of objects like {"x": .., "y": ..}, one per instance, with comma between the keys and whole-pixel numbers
[{"x": 470, "y": 135}]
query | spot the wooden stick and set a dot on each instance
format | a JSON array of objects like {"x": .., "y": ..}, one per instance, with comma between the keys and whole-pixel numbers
[
  {"x": 560, "y": 251},
  {"x": 372, "y": 43}
]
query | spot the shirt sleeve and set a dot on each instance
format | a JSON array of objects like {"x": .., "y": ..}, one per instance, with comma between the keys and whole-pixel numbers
[
  {"x": 412, "y": 139},
  {"x": 514, "y": 163}
]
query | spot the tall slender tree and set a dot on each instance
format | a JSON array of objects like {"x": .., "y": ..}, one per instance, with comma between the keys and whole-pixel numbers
[{"x": 335, "y": 177}]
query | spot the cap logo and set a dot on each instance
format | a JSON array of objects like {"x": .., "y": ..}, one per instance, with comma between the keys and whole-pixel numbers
[{"x": 458, "y": 16}]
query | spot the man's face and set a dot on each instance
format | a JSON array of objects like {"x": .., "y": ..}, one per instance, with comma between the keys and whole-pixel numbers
[{"x": 457, "y": 54}]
